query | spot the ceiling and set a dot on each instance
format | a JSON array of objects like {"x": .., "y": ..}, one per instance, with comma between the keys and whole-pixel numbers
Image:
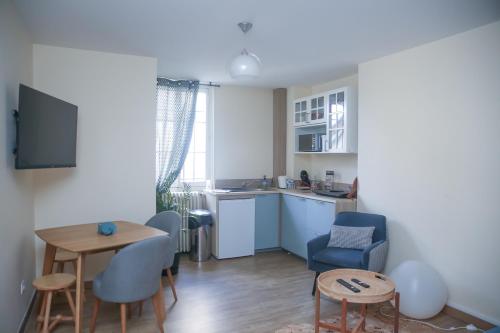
[{"x": 298, "y": 41}]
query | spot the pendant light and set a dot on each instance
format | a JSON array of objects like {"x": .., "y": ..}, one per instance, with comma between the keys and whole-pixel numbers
[{"x": 246, "y": 65}]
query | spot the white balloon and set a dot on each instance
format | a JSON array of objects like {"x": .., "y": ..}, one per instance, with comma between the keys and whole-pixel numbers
[{"x": 423, "y": 292}]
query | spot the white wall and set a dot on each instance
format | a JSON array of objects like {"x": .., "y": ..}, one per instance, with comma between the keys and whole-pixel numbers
[
  {"x": 345, "y": 165},
  {"x": 429, "y": 159},
  {"x": 16, "y": 198},
  {"x": 115, "y": 174},
  {"x": 243, "y": 132}
]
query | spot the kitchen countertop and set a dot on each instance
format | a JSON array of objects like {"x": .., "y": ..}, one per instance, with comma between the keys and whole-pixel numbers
[
  {"x": 299, "y": 193},
  {"x": 310, "y": 195}
]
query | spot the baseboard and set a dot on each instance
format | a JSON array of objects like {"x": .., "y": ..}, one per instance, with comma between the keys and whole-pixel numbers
[
  {"x": 27, "y": 314},
  {"x": 271, "y": 249},
  {"x": 470, "y": 317}
]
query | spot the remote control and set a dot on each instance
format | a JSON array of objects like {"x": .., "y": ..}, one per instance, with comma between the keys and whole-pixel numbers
[
  {"x": 362, "y": 284},
  {"x": 348, "y": 285},
  {"x": 380, "y": 277}
]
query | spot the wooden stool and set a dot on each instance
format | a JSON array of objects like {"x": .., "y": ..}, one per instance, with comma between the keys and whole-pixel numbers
[
  {"x": 48, "y": 284},
  {"x": 62, "y": 257}
]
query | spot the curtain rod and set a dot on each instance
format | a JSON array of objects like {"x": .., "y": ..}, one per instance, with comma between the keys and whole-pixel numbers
[{"x": 208, "y": 84}]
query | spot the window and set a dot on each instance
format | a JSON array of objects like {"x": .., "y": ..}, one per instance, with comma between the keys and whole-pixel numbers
[{"x": 196, "y": 170}]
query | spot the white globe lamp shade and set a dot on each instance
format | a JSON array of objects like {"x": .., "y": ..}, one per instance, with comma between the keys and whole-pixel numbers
[
  {"x": 245, "y": 66},
  {"x": 422, "y": 290}
]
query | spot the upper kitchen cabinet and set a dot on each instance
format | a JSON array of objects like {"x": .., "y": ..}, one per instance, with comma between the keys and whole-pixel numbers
[
  {"x": 327, "y": 121},
  {"x": 341, "y": 124},
  {"x": 317, "y": 109},
  {"x": 310, "y": 110},
  {"x": 301, "y": 112}
]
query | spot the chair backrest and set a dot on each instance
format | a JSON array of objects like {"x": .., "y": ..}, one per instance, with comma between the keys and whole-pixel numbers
[
  {"x": 170, "y": 222},
  {"x": 355, "y": 219},
  {"x": 134, "y": 272}
]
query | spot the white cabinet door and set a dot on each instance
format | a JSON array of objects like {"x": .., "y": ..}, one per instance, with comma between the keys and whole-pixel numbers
[
  {"x": 317, "y": 109},
  {"x": 301, "y": 112},
  {"x": 236, "y": 228}
]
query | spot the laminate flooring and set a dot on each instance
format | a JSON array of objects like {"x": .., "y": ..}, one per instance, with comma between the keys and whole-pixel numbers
[{"x": 256, "y": 294}]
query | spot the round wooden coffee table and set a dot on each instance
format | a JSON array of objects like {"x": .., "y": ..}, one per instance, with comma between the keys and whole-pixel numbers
[{"x": 381, "y": 289}]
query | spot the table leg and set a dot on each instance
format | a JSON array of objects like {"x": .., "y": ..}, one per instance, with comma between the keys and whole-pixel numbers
[
  {"x": 396, "y": 312},
  {"x": 80, "y": 267},
  {"x": 343, "y": 318},
  {"x": 317, "y": 308},
  {"x": 363, "y": 317},
  {"x": 48, "y": 262}
]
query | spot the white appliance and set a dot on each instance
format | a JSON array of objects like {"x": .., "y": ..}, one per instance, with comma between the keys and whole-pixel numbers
[
  {"x": 236, "y": 228},
  {"x": 282, "y": 181}
]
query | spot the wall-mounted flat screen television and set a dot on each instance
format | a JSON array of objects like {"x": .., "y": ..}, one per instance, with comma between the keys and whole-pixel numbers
[{"x": 46, "y": 131}]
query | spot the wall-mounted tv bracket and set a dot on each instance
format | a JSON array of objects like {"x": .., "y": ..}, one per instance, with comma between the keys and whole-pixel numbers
[{"x": 15, "y": 114}]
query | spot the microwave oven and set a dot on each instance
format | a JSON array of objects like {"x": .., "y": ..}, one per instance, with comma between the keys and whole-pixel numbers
[{"x": 310, "y": 142}]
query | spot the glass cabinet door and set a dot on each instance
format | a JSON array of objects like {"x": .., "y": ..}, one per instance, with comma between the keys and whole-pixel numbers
[
  {"x": 314, "y": 109},
  {"x": 297, "y": 112},
  {"x": 317, "y": 108},
  {"x": 301, "y": 114},
  {"x": 336, "y": 121}
]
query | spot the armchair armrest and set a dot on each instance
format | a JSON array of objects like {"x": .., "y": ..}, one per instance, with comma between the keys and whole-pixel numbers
[
  {"x": 315, "y": 245},
  {"x": 374, "y": 256}
]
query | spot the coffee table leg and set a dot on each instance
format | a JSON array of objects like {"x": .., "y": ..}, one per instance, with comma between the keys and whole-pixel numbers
[
  {"x": 363, "y": 316},
  {"x": 316, "y": 315},
  {"x": 343, "y": 318},
  {"x": 396, "y": 312}
]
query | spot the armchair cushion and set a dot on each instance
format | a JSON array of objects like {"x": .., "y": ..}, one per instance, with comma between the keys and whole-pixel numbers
[
  {"x": 350, "y": 237},
  {"x": 348, "y": 258}
]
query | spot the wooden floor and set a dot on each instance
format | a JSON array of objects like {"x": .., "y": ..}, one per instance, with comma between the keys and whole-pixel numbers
[{"x": 249, "y": 295}]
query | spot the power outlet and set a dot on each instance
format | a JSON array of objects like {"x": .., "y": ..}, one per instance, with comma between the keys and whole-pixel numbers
[{"x": 23, "y": 287}]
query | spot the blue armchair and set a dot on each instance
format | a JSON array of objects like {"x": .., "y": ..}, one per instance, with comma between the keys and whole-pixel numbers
[
  {"x": 321, "y": 258},
  {"x": 170, "y": 222}
]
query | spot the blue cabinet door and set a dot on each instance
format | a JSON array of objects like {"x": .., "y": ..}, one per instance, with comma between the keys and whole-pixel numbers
[
  {"x": 293, "y": 226},
  {"x": 266, "y": 221},
  {"x": 320, "y": 217}
]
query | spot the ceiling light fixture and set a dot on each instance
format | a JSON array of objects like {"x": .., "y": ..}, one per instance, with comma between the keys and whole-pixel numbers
[{"x": 246, "y": 65}]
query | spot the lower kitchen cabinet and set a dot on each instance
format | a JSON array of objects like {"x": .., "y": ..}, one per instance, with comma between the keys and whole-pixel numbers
[
  {"x": 320, "y": 217},
  {"x": 302, "y": 220},
  {"x": 293, "y": 226},
  {"x": 267, "y": 217}
]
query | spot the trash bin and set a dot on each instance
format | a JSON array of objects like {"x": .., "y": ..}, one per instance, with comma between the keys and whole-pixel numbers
[{"x": 199, "y": 222}]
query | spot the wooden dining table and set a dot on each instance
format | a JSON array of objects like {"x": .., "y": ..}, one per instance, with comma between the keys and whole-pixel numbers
[{"x": 83, "y": 239}]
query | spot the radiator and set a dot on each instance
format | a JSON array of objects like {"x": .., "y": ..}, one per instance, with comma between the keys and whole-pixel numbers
[{"x": 197, "y": 201}]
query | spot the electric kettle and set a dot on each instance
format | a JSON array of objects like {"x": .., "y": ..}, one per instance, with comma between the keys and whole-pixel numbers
[{"x": 282, "y": 181}]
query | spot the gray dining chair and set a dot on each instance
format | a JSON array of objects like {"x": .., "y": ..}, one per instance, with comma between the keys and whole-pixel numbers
[
  {"x": 133, "y": 275},
  {"x": 170, "y": 222}
]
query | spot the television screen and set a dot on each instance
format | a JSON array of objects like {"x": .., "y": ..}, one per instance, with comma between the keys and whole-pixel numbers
[{"x": 46, "y": 131}]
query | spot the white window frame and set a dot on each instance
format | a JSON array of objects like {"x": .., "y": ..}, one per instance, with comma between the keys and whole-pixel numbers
[{"x": 201, "y": 185}]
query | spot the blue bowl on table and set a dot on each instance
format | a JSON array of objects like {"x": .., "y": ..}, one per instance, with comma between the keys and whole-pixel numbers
[{"x": 106, "y": 228}]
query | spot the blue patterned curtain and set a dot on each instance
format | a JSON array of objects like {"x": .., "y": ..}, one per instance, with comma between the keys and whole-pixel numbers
[{"x": 176, "y": 103}]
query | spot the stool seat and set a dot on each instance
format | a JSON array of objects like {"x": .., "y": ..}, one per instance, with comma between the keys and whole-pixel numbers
[
  {"x": 64, "y": 256},
  {"x": 53, "y": 282}
]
